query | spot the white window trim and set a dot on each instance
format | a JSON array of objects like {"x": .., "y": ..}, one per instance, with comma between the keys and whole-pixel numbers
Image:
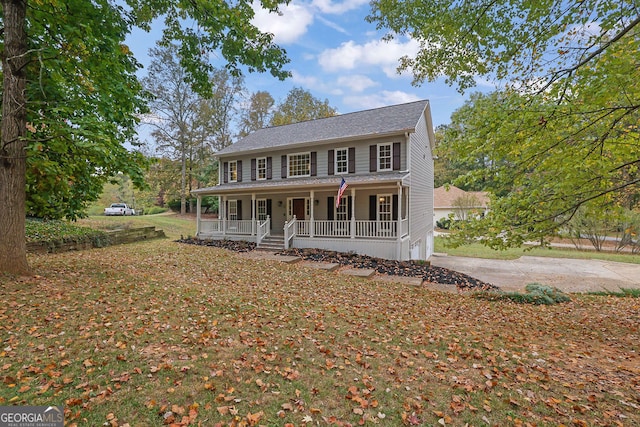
[
  {"x": 390, "y": 168},
  {"x": 335, "y": 161},
  {"x": 233, "y": 203},
  {"x": 258, "y": 168},
  {"x": 378, "y": 197},
  {"x": 261, "y": 203},
  {"x": 305, "y": 153},
  {"x": 344, "y": 205},
  {"x": 233, "y": 162}
]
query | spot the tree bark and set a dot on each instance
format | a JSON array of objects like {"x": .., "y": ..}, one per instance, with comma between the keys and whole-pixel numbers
[{"x": 13, "y": 164}]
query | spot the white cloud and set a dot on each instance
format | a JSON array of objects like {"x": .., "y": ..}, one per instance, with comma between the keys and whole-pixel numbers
[
  {"x": 328, "y": 6},
  {"x": 292, "y": 23},
  {"x": 356, "y": 83},
  {"x": 380, "y": 99},
  {"x": 349, "y": 55},
  {"x": 332, "y": 24}
]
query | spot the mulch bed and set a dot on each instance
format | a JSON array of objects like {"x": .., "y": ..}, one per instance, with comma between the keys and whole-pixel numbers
[
  {"x": 232, "y": 245},
  {"x": 427, "y": 272}
]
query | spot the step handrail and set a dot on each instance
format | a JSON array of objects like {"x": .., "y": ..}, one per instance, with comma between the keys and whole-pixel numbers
[
  {"x": 289, "y": 231},
  {"x": 264, "y": 230}
]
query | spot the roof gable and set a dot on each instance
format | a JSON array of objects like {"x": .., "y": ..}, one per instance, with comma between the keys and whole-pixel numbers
[{"x": 379, "y": 121}]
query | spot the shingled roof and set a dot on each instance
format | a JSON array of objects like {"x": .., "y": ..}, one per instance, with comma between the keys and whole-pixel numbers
[
  {"x": 368, "y": 123},
  {"x": 445, "y": 198}
]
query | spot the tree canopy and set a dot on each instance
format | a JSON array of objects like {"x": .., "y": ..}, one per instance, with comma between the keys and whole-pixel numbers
[
  {"x": 258, "y": 113},
  {"x": 563, "y": 130},
  {"x": 71, "y": 99},
  {"x": 299, "y": 106}
]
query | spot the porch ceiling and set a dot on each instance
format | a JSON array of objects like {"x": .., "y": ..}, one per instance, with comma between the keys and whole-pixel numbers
[{"x": 331, "y": 183}]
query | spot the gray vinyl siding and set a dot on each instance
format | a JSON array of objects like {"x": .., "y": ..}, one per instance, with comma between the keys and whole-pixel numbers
[
  {"x": 421, "y": 190},
  {"x": 361, "y": 151}
]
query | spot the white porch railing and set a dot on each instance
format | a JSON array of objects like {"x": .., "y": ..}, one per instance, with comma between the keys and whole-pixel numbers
[
  {"x": 404, "y": 224},
  {"x": 376, "y": 229},
  {"x": 264, "y": 229},
  {"x": 290, "y": 230},
  {"x": 240, "y": 226},
  {"x": 295, "y": 227},
  {"x": 210, "y": 226},
  {"x": 325, "y": 228},
  {"x": 364, "y": 229}
]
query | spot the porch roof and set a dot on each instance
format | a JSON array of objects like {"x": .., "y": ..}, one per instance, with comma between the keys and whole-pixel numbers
[{"x": 328, "y": 183}]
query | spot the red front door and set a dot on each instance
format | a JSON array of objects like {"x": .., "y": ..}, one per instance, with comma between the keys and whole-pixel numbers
[{"x": 299, "y": 208}]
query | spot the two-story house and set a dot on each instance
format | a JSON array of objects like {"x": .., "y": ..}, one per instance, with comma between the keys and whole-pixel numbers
[{"x": 284, "y": 181}]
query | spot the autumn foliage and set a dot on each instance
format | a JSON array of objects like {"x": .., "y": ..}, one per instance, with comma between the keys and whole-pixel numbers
[{"x": 163, "y": 333}]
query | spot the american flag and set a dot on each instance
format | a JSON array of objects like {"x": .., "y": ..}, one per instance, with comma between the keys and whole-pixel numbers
[{"x": 343, "y": 186}]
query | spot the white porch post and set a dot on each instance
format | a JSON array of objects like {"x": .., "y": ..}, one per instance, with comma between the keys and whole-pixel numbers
[
  {"x": 399, "y": 222},
  {"x": 353, "y": 213},
  {"x": 253, "y": 214},
  {"x": 224, "y": 215},
  {"x": 198, "y": 210},
  {"x": 312, "y": 203}
]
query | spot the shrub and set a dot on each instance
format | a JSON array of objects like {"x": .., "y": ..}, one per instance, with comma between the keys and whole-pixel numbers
[
  {"x": 155, "y": 210},
  {"x": 535, "y": 293},
  {"x": 444, "y": 223}
]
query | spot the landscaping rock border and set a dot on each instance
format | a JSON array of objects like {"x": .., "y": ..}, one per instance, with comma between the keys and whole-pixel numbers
[{"x": 427, "y": 272}]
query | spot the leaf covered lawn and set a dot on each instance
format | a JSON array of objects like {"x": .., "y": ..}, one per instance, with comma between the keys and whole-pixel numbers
[{"x": 160, "y": 333}]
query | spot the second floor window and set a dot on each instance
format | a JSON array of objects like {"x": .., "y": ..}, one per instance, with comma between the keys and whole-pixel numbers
[
  {"x": 233, "y": 171},
  {"x": 261, "y": 166},
  {"x": 300, "y": 164},
  {"x": 384, "y": 157},
  {"x": 342, "y": 160}
]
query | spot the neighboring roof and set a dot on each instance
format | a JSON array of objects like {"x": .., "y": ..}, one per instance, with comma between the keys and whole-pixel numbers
[
  {"x": 444, "y": 198},
  {"x": 312, "y": 183},
  {"x": 369, "y": 123}
]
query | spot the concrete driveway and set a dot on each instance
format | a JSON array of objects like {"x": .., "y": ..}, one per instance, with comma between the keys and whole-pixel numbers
[{"x": 568, "y": 275}]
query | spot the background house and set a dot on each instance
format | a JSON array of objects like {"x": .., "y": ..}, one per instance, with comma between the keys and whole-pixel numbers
[
  {"x": 279, "y": 185},
  {"x": 454, "y": 201}
]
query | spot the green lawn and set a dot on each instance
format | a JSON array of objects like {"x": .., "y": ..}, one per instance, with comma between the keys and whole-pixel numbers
[
  {"x": 172, "y": 224},
  {"x": 172, "y": 333},
  {"x": 481, "y": 251}
]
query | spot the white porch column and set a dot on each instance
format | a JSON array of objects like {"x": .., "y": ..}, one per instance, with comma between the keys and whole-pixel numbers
[
  {"x": 253, "y": 214},
  {"x": 353, "y": 213},
  {"x": 224, "y": 215},
  {"x": 198, "y": 210},
  {"x": 311, "y": 223},
  {"x": 399, "y": 222}
]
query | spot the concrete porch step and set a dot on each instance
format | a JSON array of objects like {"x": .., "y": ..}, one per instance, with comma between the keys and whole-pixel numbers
[{"x": 272, "y": 243}]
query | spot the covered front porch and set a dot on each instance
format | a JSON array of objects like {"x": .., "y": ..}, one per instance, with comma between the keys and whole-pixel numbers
[{"x": 370, "y": 219}]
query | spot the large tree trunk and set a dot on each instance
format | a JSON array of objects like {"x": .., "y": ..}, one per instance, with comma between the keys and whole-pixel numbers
[
  {"x": 183, "y": 180},
  {"x": 13, "y": 164}
]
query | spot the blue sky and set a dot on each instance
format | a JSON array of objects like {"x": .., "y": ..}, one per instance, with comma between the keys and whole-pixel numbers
[{"x": 336, "y": 55}]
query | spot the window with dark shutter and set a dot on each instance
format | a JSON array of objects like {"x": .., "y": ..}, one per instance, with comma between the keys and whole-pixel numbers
[
  {"x": 283, "y": 166},
  {"x": 352, "y": 159},
  {"x": 394, "y": 208},
  {"x": 314, "y": 163},
  {"x": 239, "y": 178},
  {"x": 373, "y": 158},
  {"x": 330, "y": 162},
  {"x": 225, "y": 172},
  {"x": 253, "y": 169},
  {"x": 330, "y": 207},
  {"x": 396, "y": 156},
  {"x": 269, "y": 167},
  {"x": 239, "y": 203},
  {"x": 373, "y": 208}
]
